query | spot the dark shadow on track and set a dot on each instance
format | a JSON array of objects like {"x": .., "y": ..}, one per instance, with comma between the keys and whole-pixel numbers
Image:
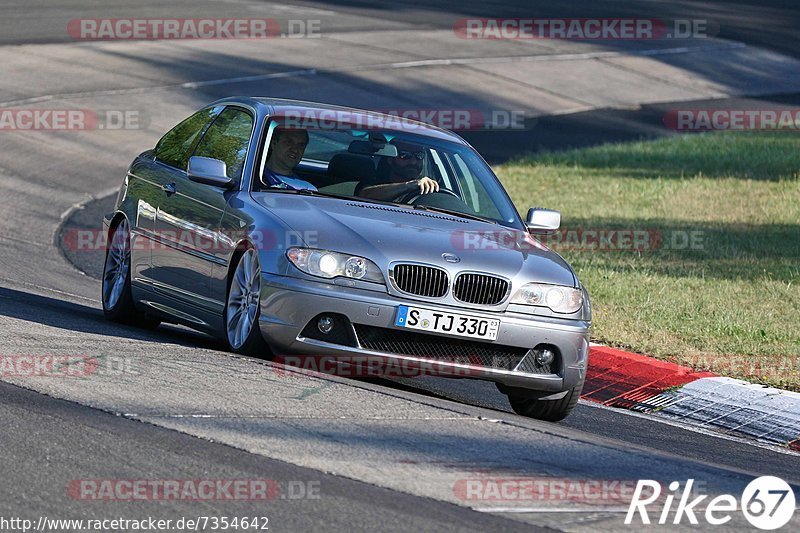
[
  {"x": 769, "y": 23},
  {"x": 71, "y": 316},
  {"x": 601, "y": 126}
]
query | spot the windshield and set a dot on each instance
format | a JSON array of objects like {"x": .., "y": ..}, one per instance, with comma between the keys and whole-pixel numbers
[{"x": 398, "y": 167}]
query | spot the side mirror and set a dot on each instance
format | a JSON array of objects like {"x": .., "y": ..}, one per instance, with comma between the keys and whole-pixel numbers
[
  {"x": 543, "y": 221},
  {"x": 208, "y": 171}
]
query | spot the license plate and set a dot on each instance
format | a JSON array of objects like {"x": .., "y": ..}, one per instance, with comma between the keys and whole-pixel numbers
[{"x": 449, "y": 323}]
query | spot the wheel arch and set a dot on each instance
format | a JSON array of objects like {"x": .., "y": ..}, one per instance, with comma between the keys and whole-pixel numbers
[
  {"x": 238, "y": 249},
  {"x": 114, "y": 219}
]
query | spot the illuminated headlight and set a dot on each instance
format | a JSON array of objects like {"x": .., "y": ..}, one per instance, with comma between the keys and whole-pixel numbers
[
  {"x": 559, "y": 299},
  {"x": 327, "y": 264}
]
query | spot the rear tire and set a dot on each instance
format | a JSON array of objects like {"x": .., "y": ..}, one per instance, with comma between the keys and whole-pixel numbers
[
  {"x": 116, "y": 288},
  {"x": 549, "y": 410}
]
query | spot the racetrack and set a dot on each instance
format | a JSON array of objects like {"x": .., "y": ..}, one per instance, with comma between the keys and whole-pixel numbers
[{"x": 387, "y": 454}]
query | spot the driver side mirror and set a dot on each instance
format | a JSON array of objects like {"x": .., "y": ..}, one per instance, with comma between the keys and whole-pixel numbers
[
  {"x": 208, "y": 171},
  {"x": 542, "y": 221}
]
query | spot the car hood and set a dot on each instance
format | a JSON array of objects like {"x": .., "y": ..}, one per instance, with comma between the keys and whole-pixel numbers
[{"x": 387, "y": 234}]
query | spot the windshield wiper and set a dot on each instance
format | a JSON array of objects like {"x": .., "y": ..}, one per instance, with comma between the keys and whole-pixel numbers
[
  {"x": 311, "y": 192},
  {"x": 455, "y": 213},
  {"x": 307, "y": 192}
]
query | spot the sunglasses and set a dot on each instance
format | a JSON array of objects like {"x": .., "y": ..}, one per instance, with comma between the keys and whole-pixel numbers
[{"x": 408, "y": 155}]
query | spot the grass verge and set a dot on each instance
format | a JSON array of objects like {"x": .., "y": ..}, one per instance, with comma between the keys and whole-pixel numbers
[{"x": 704, "y": 262}]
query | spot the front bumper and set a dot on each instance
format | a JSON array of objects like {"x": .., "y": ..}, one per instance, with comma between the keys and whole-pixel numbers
[{"x": 288, "y": 304}]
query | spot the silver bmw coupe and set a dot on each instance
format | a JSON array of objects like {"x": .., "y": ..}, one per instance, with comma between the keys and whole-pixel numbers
[{"x": 301, "y": 231}]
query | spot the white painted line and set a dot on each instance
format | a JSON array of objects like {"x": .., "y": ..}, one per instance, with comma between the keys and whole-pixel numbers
[
  {"x": 256, "y": 77},
  {"x": 24, "y": 241},
  {"x": 376, "y": 66},
  {"x": 281, "y": 7},
  {"x": 298, "y": 417},
  {"x": 86, "y": 199},
  {"x": 550, "y": 510},
  {"x": 563, "y": 509},
  {"x": 56, "y": 291},
  {"x": 566, "y": 57},
  {"x": 306, "y": 10}
]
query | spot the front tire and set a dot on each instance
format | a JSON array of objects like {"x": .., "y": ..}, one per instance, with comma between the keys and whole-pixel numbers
[
  {"x": 116, "y": 288},
  {"x": 549, "y": 410},
  {"x": 242, "y": 307}
]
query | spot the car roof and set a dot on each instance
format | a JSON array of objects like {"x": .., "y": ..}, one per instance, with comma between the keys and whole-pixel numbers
[{"x": 300, "y": 108}]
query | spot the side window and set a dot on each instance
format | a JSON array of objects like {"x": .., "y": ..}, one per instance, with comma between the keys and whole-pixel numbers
[
  {"x": 475, "y": 192},
  {"x": 227, "y": 139},
  {"x": 176, "y": 146},
  {"x": 439, "y": 172}
]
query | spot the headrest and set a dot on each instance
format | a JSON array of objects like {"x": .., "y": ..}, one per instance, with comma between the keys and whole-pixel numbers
[{"x": 352, "y": 167}]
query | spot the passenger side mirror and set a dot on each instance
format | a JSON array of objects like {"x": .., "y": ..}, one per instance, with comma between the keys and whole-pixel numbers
[
  {"x": 542, "y": 221},
  {"x": 208, "y": 171}
]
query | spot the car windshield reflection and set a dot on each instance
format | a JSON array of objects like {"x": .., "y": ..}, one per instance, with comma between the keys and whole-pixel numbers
[{"x": 387, "y": 166}]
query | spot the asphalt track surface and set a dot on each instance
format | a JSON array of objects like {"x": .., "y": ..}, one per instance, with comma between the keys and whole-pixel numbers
[
  {"x": 54, "y": 442},
  {"x": 772, "y": 23},
  {"x": 109, "y": 427}
]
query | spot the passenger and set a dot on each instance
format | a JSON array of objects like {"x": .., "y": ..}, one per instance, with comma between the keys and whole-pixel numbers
[
  {"x": 285, "y": 152},
  {"x": 401, "y": 175}
]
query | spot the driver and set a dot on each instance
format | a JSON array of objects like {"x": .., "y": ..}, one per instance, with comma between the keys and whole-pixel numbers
[{"x": 402, "y": 178}]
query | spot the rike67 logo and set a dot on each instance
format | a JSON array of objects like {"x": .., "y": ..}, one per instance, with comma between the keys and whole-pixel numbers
[{"x": 767, "y": 503}]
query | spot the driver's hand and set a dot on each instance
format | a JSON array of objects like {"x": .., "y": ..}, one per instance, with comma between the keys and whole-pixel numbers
[{"x": 427, "y": 185}]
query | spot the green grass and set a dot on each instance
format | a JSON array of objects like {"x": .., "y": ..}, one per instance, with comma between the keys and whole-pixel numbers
[{"x": 731, "y": 304}]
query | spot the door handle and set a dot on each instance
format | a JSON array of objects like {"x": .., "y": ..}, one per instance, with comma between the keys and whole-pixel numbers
[{"x": 169, "y": 188}]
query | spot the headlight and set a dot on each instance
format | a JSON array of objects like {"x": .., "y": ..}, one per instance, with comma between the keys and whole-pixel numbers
[
  {"x": 559, "y": 299},
  {"x": 327, "y": 264}
]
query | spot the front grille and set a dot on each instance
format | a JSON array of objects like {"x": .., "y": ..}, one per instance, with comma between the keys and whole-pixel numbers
[
  {"x": 421, "y": 280},
  {"x": 480, "y": 289},
  {"x": 437, "y": 348}
]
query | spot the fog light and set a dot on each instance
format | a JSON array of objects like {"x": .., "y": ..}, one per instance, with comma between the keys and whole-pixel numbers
[
  {"x": 325, "y": 324},
  {"x": 544, "y": 357}
]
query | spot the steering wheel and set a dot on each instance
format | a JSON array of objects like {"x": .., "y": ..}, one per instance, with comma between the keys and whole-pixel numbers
[{"x": 412, "y": 197}]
